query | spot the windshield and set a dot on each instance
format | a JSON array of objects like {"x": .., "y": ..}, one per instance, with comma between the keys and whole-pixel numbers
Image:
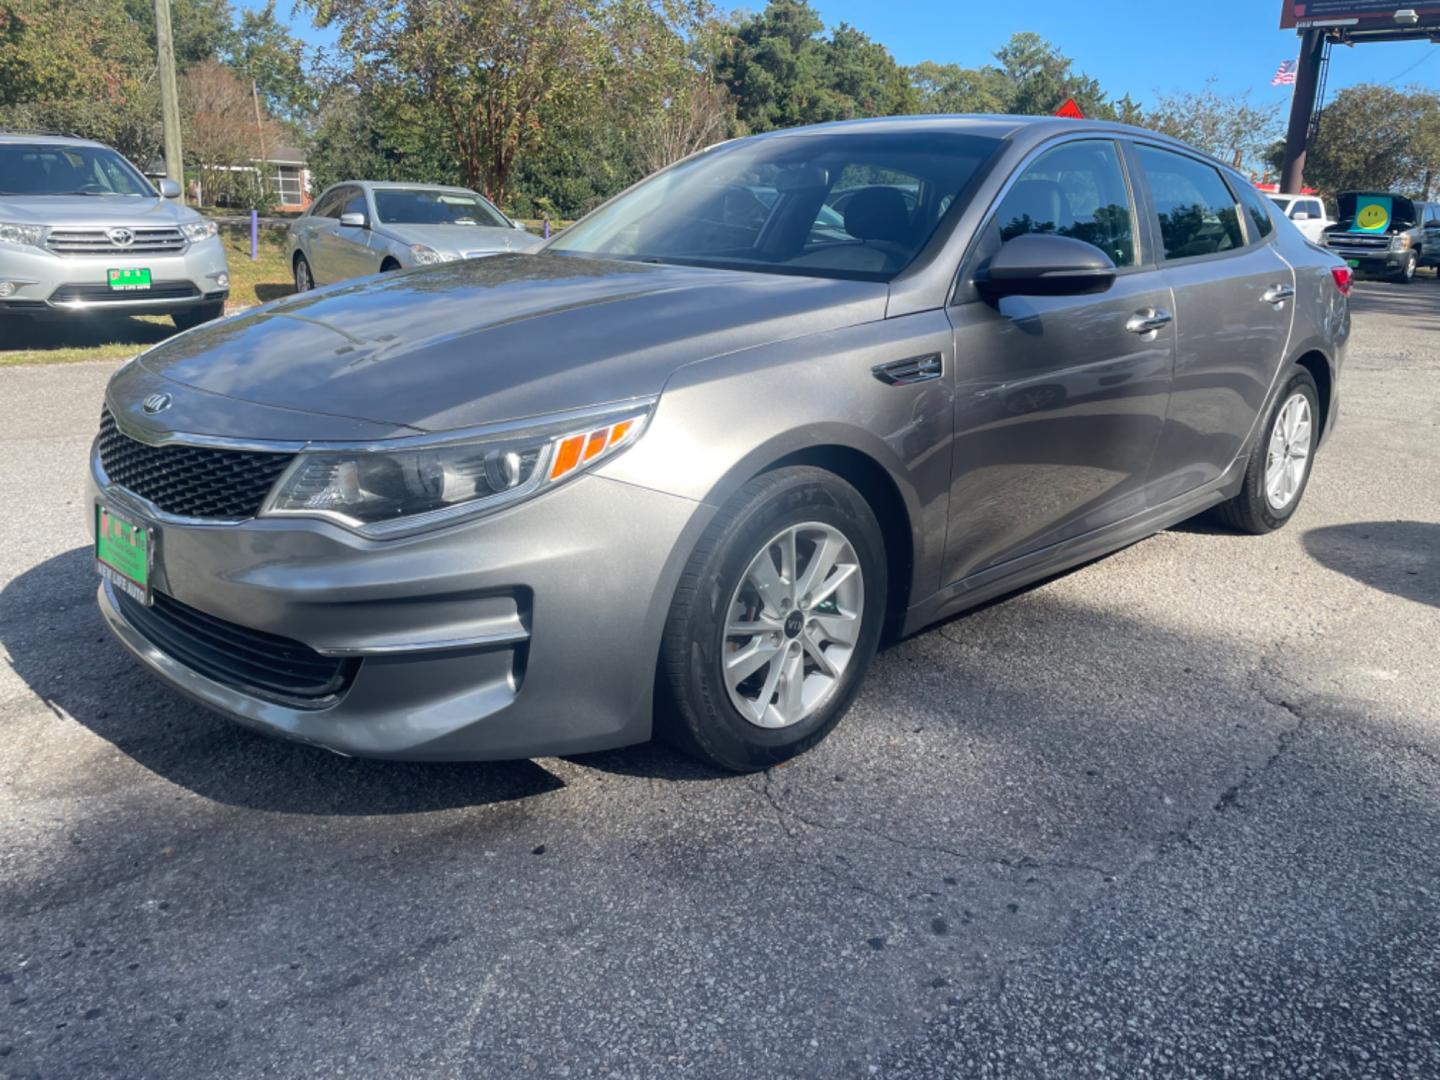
[
  {"x": 421, "y": 206},
  {"x": 839, "y": 204},
  {"x": 51, "y": 169}
]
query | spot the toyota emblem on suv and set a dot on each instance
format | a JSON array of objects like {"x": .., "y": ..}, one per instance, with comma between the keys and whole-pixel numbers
[
  {"x": 121, "y": 237},
  {"x": 156, "y": 403}
]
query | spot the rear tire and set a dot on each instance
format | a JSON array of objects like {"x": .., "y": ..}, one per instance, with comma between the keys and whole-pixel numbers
[
  {"x": 189, "y": 318},
  {"x": 1280, "y": 461},
  {"x": 821, "y": 631}
]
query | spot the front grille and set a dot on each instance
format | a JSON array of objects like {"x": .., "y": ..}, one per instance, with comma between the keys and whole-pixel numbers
[
  {"x": 103, "y": 294},
  {"x": 190, "y": 481},
  {"x": 260, "y": 664},
  {"x": 1358, "y": 241},
  {"x": 147, "y": 241}
]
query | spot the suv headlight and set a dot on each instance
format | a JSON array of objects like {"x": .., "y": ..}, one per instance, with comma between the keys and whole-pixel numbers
[
  {"x": 195, "y": 231},
  {"x": 427, "y": 256},
  {"x": 28, "y": 235},
  {"x": 382, "y": 492},
  {"x": 1401, "y": 242}
]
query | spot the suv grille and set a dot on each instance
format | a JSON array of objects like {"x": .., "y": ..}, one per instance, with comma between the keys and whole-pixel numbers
[
  {"x": 257, "y": 663},
  {"x": 190, "y": 481},
  {"x": 146, "y": 241}
]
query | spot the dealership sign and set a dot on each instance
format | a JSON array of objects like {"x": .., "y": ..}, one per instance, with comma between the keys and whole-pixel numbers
[{"x": 1363, "y": 13}]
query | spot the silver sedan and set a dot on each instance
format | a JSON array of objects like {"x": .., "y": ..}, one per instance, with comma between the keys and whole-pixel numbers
[
  {"x": 682, "y": 469},
  {"x": 362, "y": 227}
]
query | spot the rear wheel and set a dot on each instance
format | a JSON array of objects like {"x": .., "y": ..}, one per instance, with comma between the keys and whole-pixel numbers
[
  {"x": 775, "y": 621},
  {"x": 1279, "y": 467},
  {"x": 191, "y": 317}
]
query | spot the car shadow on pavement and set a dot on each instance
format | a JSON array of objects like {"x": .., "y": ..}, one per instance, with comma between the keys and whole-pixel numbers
[
  {"x": 59, "y": 647},
  {"x": 1398, "y": 557},
  {"x": 85, "y": 333}
]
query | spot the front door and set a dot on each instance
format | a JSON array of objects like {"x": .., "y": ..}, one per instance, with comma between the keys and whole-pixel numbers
[
  {"x": 1234, "y": 301},
  {"x": 1059, "y": 400}
]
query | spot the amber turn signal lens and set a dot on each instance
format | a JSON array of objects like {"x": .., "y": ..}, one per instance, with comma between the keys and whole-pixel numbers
[{"x": 576, "y": 450}]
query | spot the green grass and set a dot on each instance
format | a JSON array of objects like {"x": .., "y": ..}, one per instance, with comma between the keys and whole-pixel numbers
[{"x": 23, "y": 341}]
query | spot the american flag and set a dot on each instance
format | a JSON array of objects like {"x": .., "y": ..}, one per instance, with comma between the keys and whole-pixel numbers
[{"x": 1286, "y": 75}]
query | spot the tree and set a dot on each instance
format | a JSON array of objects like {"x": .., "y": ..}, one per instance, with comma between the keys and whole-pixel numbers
[
  {"x": 950, "y": 88},
  {"x": 1378, "y": 138},
  {"x": 262, "y": 49},
  {"x": 488, "y": 67},
  {"x": 201, "y": 28},
  {"x": 1229, "y": 128},
  {"x": 1036, "y": 78},
  {"x": 79, "y": 66},
  {"x": 222, "y": 136},
  {"x": 781, "y": 70}
]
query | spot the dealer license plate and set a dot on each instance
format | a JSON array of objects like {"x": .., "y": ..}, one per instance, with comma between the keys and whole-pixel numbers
[
  {"x": 133, "y": 279},
  {"x": 124, "y": 553}
]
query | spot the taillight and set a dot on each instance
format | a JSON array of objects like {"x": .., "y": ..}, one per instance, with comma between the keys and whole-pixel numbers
[{"x": 1344, "y": 278}]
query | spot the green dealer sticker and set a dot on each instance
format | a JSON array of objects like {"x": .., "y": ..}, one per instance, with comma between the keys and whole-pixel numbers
[{"x": 123, "y": 553}]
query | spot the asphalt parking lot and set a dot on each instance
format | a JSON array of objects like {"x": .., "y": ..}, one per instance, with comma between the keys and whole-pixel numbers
[{"x": 1176, "y": 813}]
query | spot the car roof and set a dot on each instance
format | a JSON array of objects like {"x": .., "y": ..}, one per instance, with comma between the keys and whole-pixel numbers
[
  {"x": 12, "y": 138},
  {"x": 381, "y": 185}
]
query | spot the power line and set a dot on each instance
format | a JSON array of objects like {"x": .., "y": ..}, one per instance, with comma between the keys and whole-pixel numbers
[{"x": 1429, "y": 55}]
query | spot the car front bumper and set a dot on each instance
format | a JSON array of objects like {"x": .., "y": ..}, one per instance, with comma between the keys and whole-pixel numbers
[
  {"x": 66, "y": 286},
  {"x": 1372, "y": 261},
  {"x": 531, "y": 632}
]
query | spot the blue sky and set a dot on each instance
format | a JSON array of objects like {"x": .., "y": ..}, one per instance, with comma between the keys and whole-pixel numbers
[{"x": 1163, "y": 49}]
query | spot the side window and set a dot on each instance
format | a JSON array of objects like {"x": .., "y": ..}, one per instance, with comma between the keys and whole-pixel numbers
[
  {"x": 328, "y": 205},
  {"x": 1197, "y": 213},
  {"x": 1257, "y": 207},
  {"x": 1076, "y": 190},
  {"x": 1315, "y": 209}
]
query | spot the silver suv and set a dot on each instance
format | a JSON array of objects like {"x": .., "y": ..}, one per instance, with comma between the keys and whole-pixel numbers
[{"x": 83, "y": 231}]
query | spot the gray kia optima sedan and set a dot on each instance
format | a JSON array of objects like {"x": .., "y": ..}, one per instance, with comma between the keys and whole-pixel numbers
[{"x": 686, "y": 466}]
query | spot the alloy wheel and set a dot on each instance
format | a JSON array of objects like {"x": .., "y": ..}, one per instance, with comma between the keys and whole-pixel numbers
[
  {"x": 303, "y": 283},
  {"x": 1288, "y": 454},
  {"x": 792, "y": 625}
]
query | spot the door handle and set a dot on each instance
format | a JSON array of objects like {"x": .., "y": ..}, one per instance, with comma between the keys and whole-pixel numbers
[
  {"x": 1149, "y": 321},
  {"x": 1277, "y": 294}
]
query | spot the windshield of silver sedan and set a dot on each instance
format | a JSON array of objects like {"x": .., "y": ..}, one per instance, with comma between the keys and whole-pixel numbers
[
  {"x": 428, "y": 206},
  {"x": 838, "y": 204}
]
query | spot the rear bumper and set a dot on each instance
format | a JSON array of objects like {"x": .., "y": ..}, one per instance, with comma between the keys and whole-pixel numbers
[
  {"x": 67, "y": 286},
  {"x": 532, "y": 632}
]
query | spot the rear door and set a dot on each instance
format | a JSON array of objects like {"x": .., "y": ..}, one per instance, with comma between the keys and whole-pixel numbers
[
  {"x": 1233, "y": 297},
  {"x": 1059, "y": 400}
]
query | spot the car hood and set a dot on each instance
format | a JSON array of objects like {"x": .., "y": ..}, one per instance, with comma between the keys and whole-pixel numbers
[
  {"x": 502, "y": 338},
  {"x": 93, "y": 210},
  {"x": 464, "y": 239}
]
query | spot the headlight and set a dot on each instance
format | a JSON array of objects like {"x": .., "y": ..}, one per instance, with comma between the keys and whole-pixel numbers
[
  {"x": 425, "y": 256},
  {"x": 1401, "y": 242},
  {"x": 196, "y": 231},
  {"x": 21, "y": 234},
  {"x": 381, "y": 492}
]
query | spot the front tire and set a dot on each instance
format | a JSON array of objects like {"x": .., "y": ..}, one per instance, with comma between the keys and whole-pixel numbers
[
  {"x": 1280, "y": 462},
  {"x": 304, "y": 279},
  {"x": 189, "y": 318},
  {"x": 1406, "y": 274},
  {"x": 774, "y": 623}
]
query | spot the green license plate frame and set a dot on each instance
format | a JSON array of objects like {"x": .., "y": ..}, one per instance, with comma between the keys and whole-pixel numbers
[
  {"x": 128, "y": 279},
  {"x": 124, "y": 553}
]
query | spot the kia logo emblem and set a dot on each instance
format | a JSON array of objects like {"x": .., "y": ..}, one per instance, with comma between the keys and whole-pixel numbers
[
  {"x": 121, "y": 237},
  {"x": 157, "y": 403}
]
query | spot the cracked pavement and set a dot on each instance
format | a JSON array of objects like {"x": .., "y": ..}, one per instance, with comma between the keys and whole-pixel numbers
[{"x": 1176, "y": 813}]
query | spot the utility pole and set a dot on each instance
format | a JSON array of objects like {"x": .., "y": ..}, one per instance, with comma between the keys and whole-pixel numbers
[
  {"x": 169, "y": 95},
  {"x": 1302, "y": 111}
]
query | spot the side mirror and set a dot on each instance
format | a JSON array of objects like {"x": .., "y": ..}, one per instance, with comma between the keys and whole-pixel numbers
[
  {"x": 519, "y": 225},
  {"x": 1300, "y": 215},
  {"x": 355, "y": 221},
  {"x": 169, "y": 189},
  {"x": 1042, "y": 264}
]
